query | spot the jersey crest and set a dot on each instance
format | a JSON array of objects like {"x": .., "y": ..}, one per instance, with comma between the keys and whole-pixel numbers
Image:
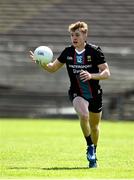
[{"x": 89, "y": 58}]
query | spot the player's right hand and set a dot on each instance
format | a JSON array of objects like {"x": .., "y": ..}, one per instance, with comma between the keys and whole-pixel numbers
[{"x": 33, "y": 58}]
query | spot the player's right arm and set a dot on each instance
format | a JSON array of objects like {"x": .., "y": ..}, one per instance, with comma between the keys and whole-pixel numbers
[{"x": 50, "y": 67}]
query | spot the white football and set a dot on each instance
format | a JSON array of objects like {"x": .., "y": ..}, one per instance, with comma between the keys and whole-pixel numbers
[{"x": 43, "y": 54}]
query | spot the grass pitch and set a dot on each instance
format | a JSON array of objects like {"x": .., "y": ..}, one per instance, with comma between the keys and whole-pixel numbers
[{"x": 55, "y": 149}]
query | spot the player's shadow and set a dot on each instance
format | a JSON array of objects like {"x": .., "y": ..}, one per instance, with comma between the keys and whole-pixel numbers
[{"x": 49, "y": 169}]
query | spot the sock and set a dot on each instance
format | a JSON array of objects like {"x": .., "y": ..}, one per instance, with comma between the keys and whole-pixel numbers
[
  {"x": 95, "y": 148},
  {"x": 89, "y": 140}
]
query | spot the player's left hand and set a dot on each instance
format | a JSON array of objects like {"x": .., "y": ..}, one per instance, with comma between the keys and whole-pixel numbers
[{"x": 85, "y": 76}]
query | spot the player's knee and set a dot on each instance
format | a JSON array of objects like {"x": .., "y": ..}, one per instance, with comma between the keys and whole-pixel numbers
[
  {"x": 95, "y": 128},
  {"x": 84, "y": 117}
]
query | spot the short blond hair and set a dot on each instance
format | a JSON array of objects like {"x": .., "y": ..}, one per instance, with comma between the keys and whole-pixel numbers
[{"x": 82, "y": 26}]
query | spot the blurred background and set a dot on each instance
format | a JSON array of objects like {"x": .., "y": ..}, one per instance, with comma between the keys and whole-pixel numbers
[{"x": 26, "y": 90}]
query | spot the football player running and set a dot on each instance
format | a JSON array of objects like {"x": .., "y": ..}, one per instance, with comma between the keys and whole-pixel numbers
[{"x": 86, "y": 66}]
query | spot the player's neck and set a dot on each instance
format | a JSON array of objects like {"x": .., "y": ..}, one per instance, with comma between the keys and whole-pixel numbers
[{"x": 80, "y": 48}]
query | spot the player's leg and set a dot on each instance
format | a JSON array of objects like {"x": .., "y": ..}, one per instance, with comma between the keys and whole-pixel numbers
[
  {"x": 94, "y": 125},
  {"x": 95, "y": 112},
  {"x": 91, "y": 149},
  {"x": 81, "y": 107},
  {"x": 89, "y": 126}
]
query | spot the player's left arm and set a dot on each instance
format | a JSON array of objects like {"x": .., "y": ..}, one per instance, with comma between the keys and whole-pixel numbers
[{"x": 104, "y": 73}]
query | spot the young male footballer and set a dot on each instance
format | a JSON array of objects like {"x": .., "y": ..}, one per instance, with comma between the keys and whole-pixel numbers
[{"x": 86, "y": 65}]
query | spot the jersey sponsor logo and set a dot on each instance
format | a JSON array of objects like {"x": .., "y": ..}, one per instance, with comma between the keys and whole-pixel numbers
[
  {"x": 78, "y": 66},
  {"x": 75, "y": 71}
]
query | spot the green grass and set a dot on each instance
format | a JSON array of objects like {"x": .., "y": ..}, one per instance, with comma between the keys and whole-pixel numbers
[{"x": 54, "y": 149}]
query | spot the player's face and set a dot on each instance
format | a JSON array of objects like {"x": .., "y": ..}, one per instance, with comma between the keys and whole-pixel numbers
[{"x": 78, "y": 39}]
